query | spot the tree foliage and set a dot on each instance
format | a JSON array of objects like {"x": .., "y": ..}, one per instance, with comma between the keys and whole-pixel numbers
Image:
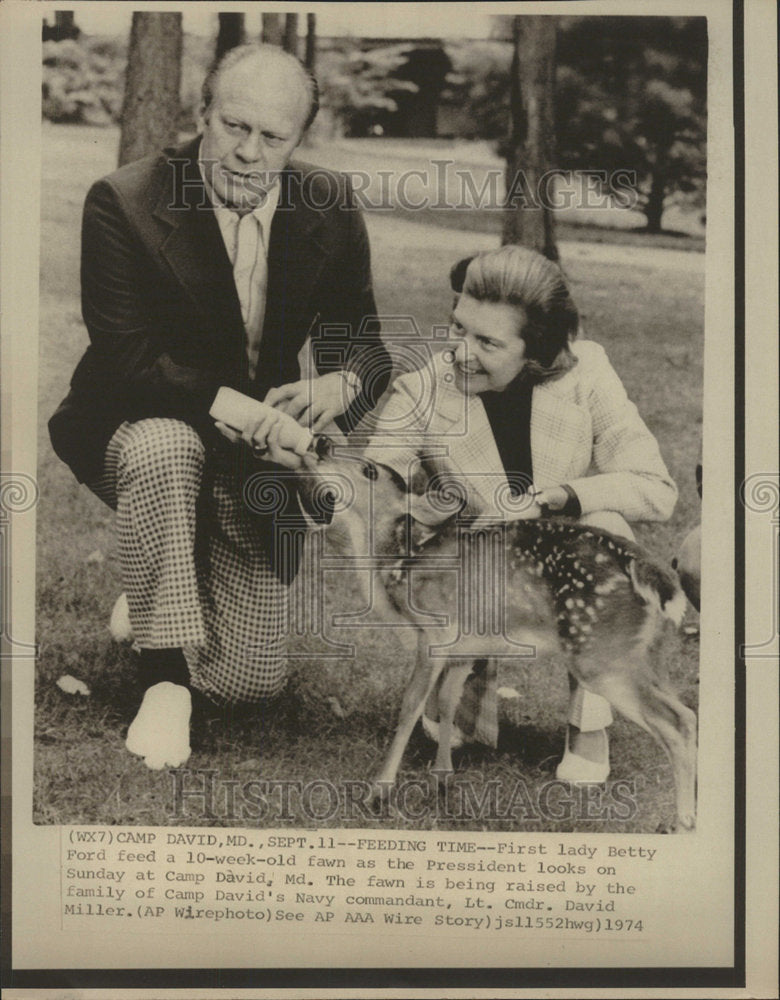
[
  {"x": 82, "y": 81},
  {"x": 479, "y": 84},
  {"x": 355, "y": 84},
  {"x": 631, "y": 96}
]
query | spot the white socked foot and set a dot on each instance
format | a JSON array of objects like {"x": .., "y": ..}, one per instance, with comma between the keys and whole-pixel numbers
[
  {"x": 120, "y": 628},
  {"x": 160, "y": 732}
]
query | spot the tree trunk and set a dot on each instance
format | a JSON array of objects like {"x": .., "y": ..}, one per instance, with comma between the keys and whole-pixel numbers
[
  {"x": 654, "y": 209},
  {"x": 291, "y": 34},
  {"x": 151, "y": 105},
  {"x": 65, "y": 24},
  {"x": 311, "y": 42},
  {"x": 231, "y": 33},
  {"x": 528, "y": 217},
  {"x": 272, "y": 29}
]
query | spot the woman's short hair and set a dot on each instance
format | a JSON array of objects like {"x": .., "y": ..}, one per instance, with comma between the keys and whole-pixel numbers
[
  {"x": 521, "y": 277},
  {"x": 241, "y": 52}
]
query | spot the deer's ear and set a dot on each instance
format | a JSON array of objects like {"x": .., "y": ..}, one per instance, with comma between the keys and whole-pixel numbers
[
  {"x": 423, "y": 471},
  {"x": 425, "y": 510}
]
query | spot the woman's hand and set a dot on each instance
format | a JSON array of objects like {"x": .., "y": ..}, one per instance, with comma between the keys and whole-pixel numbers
[
  {"x": 554, "y": 498},
  {"x": 314, "y": 402}
]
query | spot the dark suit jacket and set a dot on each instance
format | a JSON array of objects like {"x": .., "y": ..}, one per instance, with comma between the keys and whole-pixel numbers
[{"x": 163, "y": 316}]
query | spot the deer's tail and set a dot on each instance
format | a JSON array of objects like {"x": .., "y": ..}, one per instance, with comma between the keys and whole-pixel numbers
[{"x": 659, "y": 587}]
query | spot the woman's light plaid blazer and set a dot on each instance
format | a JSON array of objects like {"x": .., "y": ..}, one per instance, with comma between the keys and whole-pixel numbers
[{"x": 585, "y": 432}]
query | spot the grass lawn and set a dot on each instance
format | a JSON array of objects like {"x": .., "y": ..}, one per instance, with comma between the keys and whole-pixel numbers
[{"x": 643, "y": 302}]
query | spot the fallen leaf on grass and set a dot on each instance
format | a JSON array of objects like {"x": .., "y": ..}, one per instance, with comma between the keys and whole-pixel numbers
[
  {"x": 507, "y": 692},
  {"x": 72, "y": 685},
  {"x": 335, "y": 706},
  {"x": 250, "y": 765}
]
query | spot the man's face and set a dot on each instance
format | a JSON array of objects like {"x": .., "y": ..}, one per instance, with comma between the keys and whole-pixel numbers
[
  {"x": 251, "y": 129},
  {"x": 489, "y": 350}
]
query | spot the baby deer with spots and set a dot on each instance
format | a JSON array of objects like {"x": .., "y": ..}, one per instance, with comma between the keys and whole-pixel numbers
[{"x": 474, "y": 589}]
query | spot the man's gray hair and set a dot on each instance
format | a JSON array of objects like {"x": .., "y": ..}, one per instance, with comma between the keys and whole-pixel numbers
[{"x": 234, "y": 56}]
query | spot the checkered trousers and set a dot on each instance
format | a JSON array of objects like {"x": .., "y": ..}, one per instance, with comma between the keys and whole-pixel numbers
[{"x": 194, "y": 562}]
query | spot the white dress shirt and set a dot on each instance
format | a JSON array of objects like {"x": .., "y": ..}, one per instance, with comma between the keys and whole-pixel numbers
[{"x": 246, "y": 238}]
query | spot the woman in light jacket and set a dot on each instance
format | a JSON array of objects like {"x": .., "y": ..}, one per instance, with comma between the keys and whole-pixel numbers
[{"x": 515, "y": 406}]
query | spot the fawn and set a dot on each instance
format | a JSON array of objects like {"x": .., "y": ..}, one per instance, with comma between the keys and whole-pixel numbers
[{"x": 474, "y": 588}]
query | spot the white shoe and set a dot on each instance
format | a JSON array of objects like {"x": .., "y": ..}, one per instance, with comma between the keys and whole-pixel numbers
[
  {"x": 120, "y": 628},
  {"x": 431, "y": 730},
  {"x": 578, "y": 770},
  {"x": 160, "y": 732}
]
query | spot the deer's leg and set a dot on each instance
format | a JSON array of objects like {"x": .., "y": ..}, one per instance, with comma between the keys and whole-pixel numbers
[
  {"x": 661, "y": 713},
  {"x": 426, "y": 672},
  {"x": 449, "y": 699},
  {"x": 678, "y": 737}
]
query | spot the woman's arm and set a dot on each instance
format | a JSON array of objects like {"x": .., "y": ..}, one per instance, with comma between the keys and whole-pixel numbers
[
  {"x": 631, "y": 477},
  {"x": 399, "y": 435}
]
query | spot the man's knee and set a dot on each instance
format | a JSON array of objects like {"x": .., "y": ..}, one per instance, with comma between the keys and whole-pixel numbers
[
  {"x": 161, "y": 449},
  {"x": 609, "y": 520}
]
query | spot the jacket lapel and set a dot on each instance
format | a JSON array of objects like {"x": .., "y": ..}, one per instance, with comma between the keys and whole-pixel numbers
[
  {"x": 296, "y": 256},
  {"x": 560, "y": 437},
  {"x": 194, "y": 249},
  {"x": 471, "y": 451}
]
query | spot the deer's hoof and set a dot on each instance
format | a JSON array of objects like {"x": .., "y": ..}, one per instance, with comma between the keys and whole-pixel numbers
[
  {"x": 685, "y": 824},
  {"x": 381, "y": 793},
  {"x": 441, "y": 778}
]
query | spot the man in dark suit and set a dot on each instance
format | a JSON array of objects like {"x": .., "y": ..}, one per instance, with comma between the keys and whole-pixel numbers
[{"x": 220, "y": 263}]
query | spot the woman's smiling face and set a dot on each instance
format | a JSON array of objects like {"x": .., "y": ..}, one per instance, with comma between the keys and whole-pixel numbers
[{"x": 489, "y": 351}]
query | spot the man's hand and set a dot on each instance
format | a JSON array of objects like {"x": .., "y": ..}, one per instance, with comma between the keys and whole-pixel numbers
[
  {"x": 314, "y": 402},
  {"x": 280, "y": 448},
  {"x": 272, "y": 440}
]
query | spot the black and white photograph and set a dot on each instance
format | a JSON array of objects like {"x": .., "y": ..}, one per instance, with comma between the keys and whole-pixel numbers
[{"x": 447, "y": 576}]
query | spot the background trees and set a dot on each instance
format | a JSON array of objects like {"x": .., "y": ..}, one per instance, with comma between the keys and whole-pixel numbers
[
  {"x": 357, "y": 84},
  {"x": 632, "y": 96},
  {"x": 231, "y": 33},
  {"x": 629, "y": 93},
  {"x": 151, "y": 106},
  {"x": 530, "y": 154}
]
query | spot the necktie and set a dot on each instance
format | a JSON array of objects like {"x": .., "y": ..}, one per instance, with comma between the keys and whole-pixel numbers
[{"x": 250, "y": 273}]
